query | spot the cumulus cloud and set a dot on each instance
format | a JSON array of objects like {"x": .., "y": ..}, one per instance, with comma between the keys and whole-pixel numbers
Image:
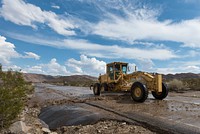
[
  {"x": 86, "y": 65},
  {"x": 51, "y": 68},
  {"x": 7, "y": 51},
  {"x": 31, "y": 55},
  {"x": 33, "y": 69},
  {"x": 10, "y": 66},
  {"x": 29, "y": 14},
  {"x": 54, "y": 68}
]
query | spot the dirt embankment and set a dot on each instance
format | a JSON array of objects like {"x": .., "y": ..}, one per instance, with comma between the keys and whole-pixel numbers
[
  {"x": 69, "y": 108},
  {"x": 46, "y": 96}
]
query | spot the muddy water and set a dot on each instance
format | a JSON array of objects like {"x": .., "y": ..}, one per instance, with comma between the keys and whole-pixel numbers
[
  {"x": 69, "y": 114},
  {"x": 180, "y": 108},
  {"x": 68, "y": 91}
]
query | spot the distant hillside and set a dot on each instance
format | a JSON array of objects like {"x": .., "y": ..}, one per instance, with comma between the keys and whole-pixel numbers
[
  {"x": 181, "y": 76},
  {"x": 182, "y": 82},
  {"x": 37, "y": 77},
  {"x": 48, "y": 78},
  {"x": 74, "y": 80},
  {"x": 85, "y": 80}
]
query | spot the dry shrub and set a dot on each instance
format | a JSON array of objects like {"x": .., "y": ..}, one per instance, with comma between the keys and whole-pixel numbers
[
  {"x": 13, "y": 95},
  {"x": 175, "y": 85}
]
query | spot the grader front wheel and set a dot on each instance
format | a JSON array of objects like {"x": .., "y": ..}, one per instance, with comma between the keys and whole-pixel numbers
[
  {"x": 139, "y": 93},
  {"x": 104, "y": 87},
  {"x": 161, "y": 95},
  {"x": 96, "y": 89}
]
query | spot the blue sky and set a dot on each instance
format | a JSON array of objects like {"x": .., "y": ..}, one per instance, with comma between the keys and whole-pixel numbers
[{"x": 67, "y": 37}]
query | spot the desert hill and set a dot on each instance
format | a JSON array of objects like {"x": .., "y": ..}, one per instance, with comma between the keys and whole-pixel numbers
[
  {"x": 181, "y": 76},
  {"x": 86, "y": 78},
  {"x": 74, "y": 80}
]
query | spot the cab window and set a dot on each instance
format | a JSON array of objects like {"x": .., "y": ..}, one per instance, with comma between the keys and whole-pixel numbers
[
  {"x": 110, "y": 69},
  {"x": 124, "y": 69}
]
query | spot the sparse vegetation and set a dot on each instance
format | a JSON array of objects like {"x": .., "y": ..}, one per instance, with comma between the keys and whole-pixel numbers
[
  {"x": 192, "y": 83},
  {"x": 13, "y": 95},
  {"x": 175, "y": 85},
  {"x": 184, "y": 84},
  {"x": 79, "y": 83}
]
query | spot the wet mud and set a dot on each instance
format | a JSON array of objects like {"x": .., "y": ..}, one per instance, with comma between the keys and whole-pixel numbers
[
  {"x": 68, "y": 115},
  {"x": 178, "y": 108}
]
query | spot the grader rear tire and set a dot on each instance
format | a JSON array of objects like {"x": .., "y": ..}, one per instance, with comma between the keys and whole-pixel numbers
[
  {"x": 161, "y": 95},
  {"x": 139, "y": 93},
  {"x": 96, "y": 89}
]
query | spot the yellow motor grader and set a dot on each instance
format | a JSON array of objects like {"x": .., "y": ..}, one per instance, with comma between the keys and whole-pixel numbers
[{"x": 138, "y": 83}]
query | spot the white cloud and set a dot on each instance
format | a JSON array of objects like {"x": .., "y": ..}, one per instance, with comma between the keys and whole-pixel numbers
[
  {"x": 31, "y": 55},
  {"x": 29, "y": 14},
  {"x": 101, "y": 51},
  {"x": 13, "y": 67},
  {"x": 131, "y": 29},
  {"x": 141, "y": 23},
  {"x": 193, "y": 68},
  {"x": 7, "y": 51},
  {"x": 54, "y": 68},
  {"x": 33, "y": 69},
  {"x": 180, "y": 67},
  {"x": 86, "y": 65},
  {"x": 136, "y": 23},
  {"x": 146, "y": 64},
  {"x": 56, "y": 7},
  {"x": 115, "y": 51},
  {"x": 51, "y": 68}
]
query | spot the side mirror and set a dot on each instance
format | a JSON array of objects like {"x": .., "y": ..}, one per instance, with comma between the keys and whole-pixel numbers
[
  {"x": 135, "y": 68},
  {"x": 128, "y": 69}
]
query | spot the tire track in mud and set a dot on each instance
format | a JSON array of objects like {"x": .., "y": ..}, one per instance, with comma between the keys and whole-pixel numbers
[
  {"x": 156, "y": 124},
  {"x": 152, "y": 123}
]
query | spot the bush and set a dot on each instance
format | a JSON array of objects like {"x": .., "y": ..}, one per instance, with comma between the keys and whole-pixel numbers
[
  {"x": 13, "y": 90},
  {"x": 192, "y": 83},
  {"x": 175, "y": 85}
]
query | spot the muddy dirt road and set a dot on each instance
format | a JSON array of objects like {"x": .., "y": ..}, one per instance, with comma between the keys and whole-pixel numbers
[{"x": 72, "y": 106}]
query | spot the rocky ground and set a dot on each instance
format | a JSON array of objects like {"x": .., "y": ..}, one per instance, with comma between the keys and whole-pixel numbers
[
  {"x": 104, "y": 127},
  {"x": 29, "y": 123},
  {"x": 182, "y": 109}
]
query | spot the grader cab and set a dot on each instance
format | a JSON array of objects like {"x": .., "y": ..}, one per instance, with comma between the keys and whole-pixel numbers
[{"x": 137, "y": 83}]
